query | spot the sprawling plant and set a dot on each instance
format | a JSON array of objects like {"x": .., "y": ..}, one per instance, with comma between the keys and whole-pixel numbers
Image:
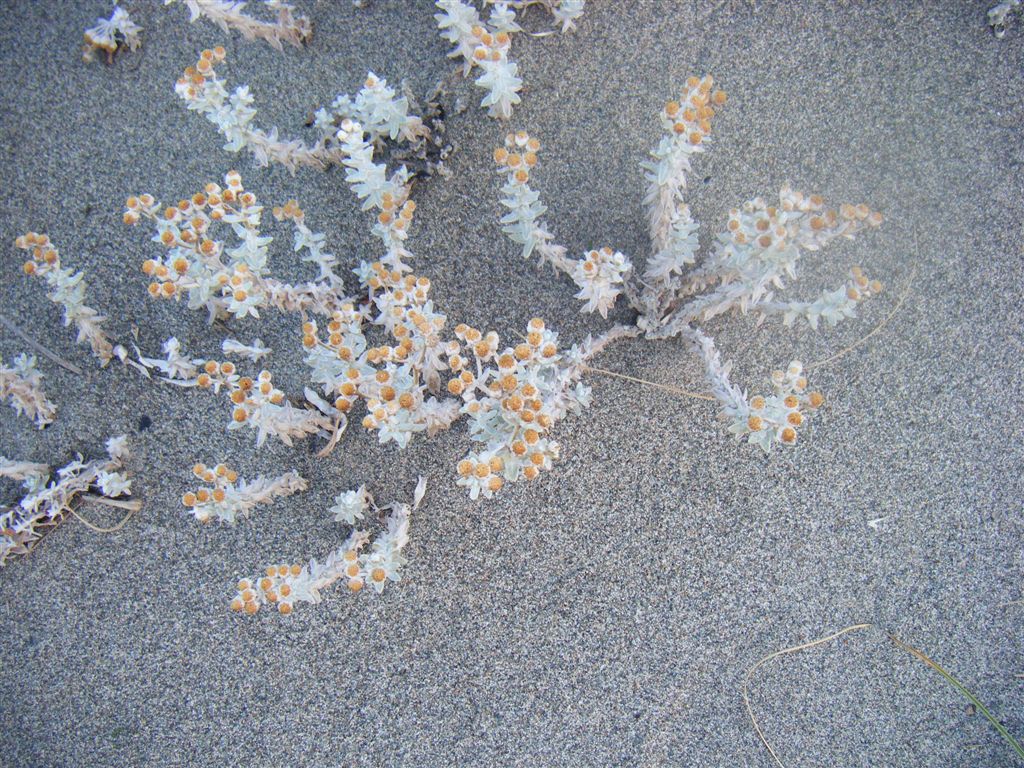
[{"x": 384, "y": 354}]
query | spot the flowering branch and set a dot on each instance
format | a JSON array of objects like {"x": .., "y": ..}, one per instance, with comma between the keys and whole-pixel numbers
[
  {"x": 487, "y": 45},
  {"x": 514, "y": 404},
  {"x": 230, "y": 498},
  {"x": 382, "y": 114},
  {"x": 601, "y": 275},
  {"x": 285, "y": 585},
  {"x": 230, "y": 281},
  {"x": 68, "y": 291}
]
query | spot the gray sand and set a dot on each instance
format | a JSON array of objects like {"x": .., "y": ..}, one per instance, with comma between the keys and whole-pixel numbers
[{"x": 606, "y": 613}]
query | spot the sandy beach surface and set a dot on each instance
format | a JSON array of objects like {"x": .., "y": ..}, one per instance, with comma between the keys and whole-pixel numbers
[{"x": 605, "y": 614}]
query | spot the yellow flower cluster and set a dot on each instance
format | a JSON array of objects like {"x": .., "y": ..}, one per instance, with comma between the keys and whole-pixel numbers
[
  {"x": 518, "y": 156},
  {"x": 41, "y": 249},
  {"x": 195, "y": 76},
  {"x": 248, "y": 395},
  {"x": 184, "y": 231},
  {"x": 490, "y": 47},
  {"x": 395, "y": 217},
  {"x": 391, "y": 378},
  {"x": 691, "y": 116},
  {"x": 769, "y": 226},
  {"x": 273, "y": 586},
  {"x": 216, "y": 375},
  {"x": 777, "y": 418},
  {"x": 513, "y": 405},
  {"x": 862, "y": 287},
  {"x": 219, "y": 477}
]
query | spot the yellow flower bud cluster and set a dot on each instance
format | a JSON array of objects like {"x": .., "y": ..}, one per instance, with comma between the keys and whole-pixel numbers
[
  {"x": 776, "y": 418},
  {"x": 249, "y": 396},
  {"x": 195, "y": 76},
  {"x": 216, "y": 375},
  {"x": 512, "y": 403},
  {"x": 273, "y": 588},
  {"x": 192, "y": 262},
  {"x": 518, "y": 157},
  {"x": 798, "y": 220},
  {"x": 393, "y": 379},
  {"x": 204, "y": 502},
  {"x": 690, "y": 117}
]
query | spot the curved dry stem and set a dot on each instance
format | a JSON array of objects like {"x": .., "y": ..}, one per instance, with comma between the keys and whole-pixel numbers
[
  {"x": 776, "y": 654},
  {"x": 921, "y": 656},
  {"x": 132, "y": 507}
]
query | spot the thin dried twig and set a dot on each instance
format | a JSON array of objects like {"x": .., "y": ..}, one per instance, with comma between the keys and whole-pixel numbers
[
  {"x": 39, "y": 347},
  {"x": 666, "y": 387}
]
